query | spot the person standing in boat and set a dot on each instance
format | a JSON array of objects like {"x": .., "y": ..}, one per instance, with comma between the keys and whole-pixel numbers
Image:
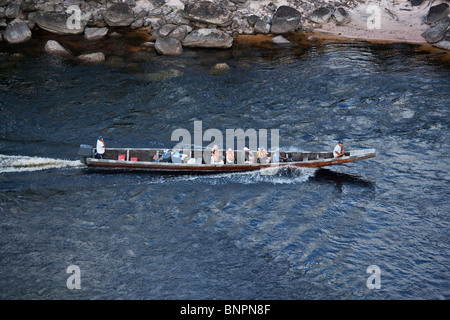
[
  {"x": 100, "y": 147},
  {"x": 338, "y": 150}
]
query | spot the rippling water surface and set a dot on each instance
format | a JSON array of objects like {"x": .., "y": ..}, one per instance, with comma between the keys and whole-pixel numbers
[{"x": 302, "y": 234}]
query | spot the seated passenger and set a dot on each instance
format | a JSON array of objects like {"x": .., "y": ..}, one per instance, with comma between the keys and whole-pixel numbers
[
  {"x": 230, "y": 156},
  {"x": 251, "y": 158},
  {"x": 263, "y": 156},
  {"x": 215, "y": 157},
  {"x": 276, "y": 158}
]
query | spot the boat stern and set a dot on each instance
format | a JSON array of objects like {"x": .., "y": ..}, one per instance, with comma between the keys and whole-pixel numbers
[{"x": 85, "y": 151}]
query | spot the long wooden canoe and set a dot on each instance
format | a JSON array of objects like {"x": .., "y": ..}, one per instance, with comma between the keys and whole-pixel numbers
[{"x": 143, "y": 159}]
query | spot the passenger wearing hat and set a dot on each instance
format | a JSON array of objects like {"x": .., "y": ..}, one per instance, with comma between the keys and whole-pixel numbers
[
  {"x": 100, "y": 147},
  {"x": 263, "y": 156},
  {"x": 338, "y": 150}
]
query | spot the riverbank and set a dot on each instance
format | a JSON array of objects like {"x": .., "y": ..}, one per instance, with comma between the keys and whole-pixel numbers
[{"x": 170, "y": 26}]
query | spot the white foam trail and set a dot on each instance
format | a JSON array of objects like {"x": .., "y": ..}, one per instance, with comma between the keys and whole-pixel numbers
[
  {"x": 25, "y": 163},
  {"x": 283, "y": 176}
]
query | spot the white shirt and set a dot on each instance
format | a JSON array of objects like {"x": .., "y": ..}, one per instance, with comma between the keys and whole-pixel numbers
[
  {"x": 337, "y": 150},
  {"x": 100, "y": 147}
]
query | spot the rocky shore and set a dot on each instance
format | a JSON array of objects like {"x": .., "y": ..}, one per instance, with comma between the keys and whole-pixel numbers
[{"x": 176, "y": 24}]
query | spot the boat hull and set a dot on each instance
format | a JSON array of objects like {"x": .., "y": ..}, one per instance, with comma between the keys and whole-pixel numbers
[{"x": 316, "y": 162}]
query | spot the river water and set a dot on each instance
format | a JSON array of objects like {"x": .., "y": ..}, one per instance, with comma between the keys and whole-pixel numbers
[{"x": 304, "y": 234}]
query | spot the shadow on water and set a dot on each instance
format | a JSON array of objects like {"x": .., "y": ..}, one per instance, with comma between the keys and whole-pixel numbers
[{"x": 341, "y": 177}]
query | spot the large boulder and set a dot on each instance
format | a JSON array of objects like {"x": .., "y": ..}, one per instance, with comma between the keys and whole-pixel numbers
[
  {"x": 437, "y": 13},
  {"x": 285, "y": 19},
  {"x": 436, "y": 33},
  {"x": 208, "y": 12},
  {"x": 17, "y": 31},
  {"x": 208, "y": 38},
  {"x": 119, "y": 15},
  {"x": 59, "y": 23},
  {"x": 321, "y": 15},
  {"x": 168, "y": 46}
]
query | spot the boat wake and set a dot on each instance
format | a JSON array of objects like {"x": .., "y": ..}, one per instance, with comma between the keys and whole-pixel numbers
[
  {"x": 25, "y": 163},
  {"x": 285, "y": 175}
]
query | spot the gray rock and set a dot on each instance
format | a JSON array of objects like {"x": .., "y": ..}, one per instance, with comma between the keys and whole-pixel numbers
[
  {"x": 285, "y": 19},
  {"x": 436, "y": 33},
  {"x": 55, "y": 47},
  {"x": 13, "y": 9},
  {"x": 137, "y": 24},
  {"x": 208, "y": 12},
  {"x": 252, "y": 19},
  {"x": 208, "y": 38},
  {"x": 341, "y": 16},
  {"x": 97, "y": 57},
  {"x": 416, "y": 2},
  {"x": 166, "y": 29},
  {"x": 444, "y": 44},
  {"x": 321, "y": 15},
  {"x": 437, "y": 13},
  {"x": 179, "y": 19},
  {"x": 59, "y": 23},
  {"x": 262, "y": 27},
  {"x": 119, "y": 15},
  {"x": 181, "y": 32},
  {"x": 168, "y": 46},
  {"x": 17, "y": 31},
  {"x": 95, "y": 33},
  {"x": 4, "y": 2},
  {"x": 281, "y": 40}
]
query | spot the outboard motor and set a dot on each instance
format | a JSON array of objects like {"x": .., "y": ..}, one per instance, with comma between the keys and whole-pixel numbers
[{"x": 85, "y": 151}]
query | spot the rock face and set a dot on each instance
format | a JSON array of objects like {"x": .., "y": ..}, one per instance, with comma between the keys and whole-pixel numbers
[
  {"x": 285, "y": 19},
  {"x": 437, "y": 13},
  {"x": 208, "y": 12},
  {"x": 59, "y": 23},
  {"x": 17, "y": 31},
  {"x": 321, "y": 15},
  {"x": 55, "y": 47},
  {"x": 119, "y": 15},
  {"x": 168, "y": 46},
  {"x": 208, "y": 38}
]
